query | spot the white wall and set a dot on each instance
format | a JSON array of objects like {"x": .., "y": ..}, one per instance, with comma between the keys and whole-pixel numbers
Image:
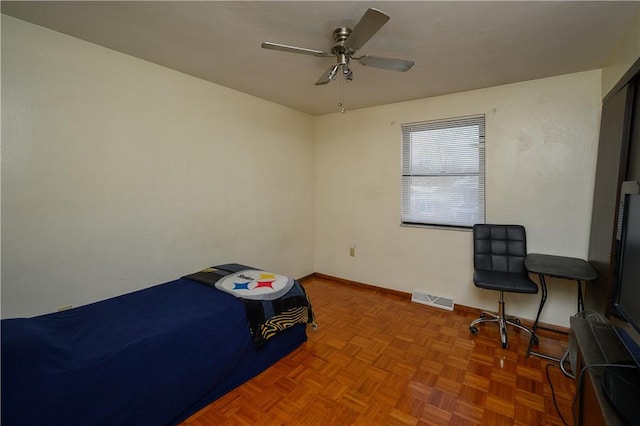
[
  {"x": 118, "y": 174},
  {"x": 541, "y": 146}
]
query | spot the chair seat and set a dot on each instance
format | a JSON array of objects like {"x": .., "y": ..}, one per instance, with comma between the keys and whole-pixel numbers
[{"x": 505, "y": 281}]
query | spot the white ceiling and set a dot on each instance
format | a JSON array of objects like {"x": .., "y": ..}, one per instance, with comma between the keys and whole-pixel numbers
[{"x": 456, "y": 45}]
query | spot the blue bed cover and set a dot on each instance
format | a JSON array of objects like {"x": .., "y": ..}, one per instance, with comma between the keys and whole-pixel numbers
[{"x": 152, "y": 357}]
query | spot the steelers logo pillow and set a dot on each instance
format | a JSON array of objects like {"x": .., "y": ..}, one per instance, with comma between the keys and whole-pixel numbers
[{"x": 255, "y": 285}]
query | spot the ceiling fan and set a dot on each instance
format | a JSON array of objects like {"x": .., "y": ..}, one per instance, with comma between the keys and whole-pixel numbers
[{"x": 347, "y": 43}]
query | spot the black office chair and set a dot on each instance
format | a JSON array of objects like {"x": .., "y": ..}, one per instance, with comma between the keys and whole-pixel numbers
[{"x": 498, "y": 263}]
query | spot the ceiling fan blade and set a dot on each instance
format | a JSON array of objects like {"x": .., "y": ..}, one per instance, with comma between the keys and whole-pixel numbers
[
  {"x": 329, "y": 75},
  {"x": 386, "y": 63},
  {"x": 294, "y": 49},
  {"x": 368, "y": 25}
]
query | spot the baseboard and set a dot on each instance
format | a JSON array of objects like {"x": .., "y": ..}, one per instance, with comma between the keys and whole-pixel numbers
[
  {"x": 543, "y": 328},
  {"x": 363, "y": 285},
  {"x": 306, "y": 277}
]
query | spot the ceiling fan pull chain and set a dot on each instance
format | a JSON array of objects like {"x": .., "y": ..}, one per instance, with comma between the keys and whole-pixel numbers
[{"x": 340, "y": 104}]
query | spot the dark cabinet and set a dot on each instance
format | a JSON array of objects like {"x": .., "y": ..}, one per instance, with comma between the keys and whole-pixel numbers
[{"x": 596, "y": 344}]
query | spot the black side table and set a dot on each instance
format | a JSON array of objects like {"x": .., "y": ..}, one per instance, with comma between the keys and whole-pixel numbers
[{"x": 569, "y": 268}]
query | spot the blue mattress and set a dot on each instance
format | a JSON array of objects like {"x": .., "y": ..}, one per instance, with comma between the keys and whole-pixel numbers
[{"x": 152, "y": 357}]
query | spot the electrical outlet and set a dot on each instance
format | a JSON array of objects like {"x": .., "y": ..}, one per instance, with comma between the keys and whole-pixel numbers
[{"x": 352, "y": 251}]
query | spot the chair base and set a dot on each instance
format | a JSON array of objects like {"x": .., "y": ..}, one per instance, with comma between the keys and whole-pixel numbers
[{"x": 502, "y": 320}]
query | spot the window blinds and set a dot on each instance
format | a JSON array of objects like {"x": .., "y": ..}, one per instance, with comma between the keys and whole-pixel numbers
[{"x": 443, "y": 172}]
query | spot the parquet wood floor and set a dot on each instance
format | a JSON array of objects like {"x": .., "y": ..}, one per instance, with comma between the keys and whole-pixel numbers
[{"x": 379, "y": 359}]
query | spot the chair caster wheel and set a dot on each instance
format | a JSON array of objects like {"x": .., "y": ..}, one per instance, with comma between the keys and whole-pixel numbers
[
  {"x": 505, "y": 346},
  {"x": 534, "y": 340},
  {"x": 473, "y": 330},
  {"x": 518, "y": 321}
]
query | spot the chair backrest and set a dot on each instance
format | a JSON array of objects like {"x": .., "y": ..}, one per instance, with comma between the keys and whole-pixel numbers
[{"x": 500, "y": 248}]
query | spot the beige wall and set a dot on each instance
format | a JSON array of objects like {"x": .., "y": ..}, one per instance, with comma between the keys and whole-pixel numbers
[
  {"x": 625, "y": 54},
  {"x": 541, "y": 146},
  {"x": 118, "y": 174}
]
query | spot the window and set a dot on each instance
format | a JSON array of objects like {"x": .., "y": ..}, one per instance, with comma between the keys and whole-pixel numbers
[{"x": 443, "y": 172}]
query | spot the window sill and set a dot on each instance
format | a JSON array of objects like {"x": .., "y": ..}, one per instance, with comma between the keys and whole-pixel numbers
[{"x": 443, "y": 227}]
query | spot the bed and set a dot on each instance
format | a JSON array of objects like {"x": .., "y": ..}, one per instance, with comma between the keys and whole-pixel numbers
[{"x": 151, "y": 357}]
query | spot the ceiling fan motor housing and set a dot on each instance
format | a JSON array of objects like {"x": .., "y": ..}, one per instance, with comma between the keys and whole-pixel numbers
[{"x": 340, "y": 35}]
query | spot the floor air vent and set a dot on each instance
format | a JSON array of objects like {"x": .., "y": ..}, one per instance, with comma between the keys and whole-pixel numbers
[{"x": 425, "y": 298}]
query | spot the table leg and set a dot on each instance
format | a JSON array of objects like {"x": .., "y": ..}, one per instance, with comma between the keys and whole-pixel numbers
[
  {"x": 580, "y": 300},
  {"x": 543, "y": 299}
]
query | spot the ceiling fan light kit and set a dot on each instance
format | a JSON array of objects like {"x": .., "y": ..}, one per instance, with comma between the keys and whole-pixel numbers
[{"x": 347, "y": 43}]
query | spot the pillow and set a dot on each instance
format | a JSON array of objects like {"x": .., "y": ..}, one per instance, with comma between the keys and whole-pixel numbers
[{"x": 255, "y": 284}]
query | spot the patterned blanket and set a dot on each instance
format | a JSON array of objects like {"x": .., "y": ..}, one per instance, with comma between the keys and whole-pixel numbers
[{"x": 266, "y": 316}]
